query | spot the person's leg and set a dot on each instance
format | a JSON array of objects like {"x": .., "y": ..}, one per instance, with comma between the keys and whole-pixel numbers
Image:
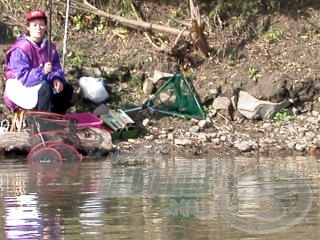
[
  {"x": 44, "y": 98},
  {"x": 62, "y": 101}
]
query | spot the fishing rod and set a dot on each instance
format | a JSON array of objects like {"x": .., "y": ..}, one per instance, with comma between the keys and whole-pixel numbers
[
  {"x": 65, "y": 34},
  {"x": 49, "y": 29}
]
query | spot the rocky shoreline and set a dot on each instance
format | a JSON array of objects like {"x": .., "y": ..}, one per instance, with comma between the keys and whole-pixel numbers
[
  {"x": 298, "y": 136},
  {"x": 210, "y": 137},
  {"x": 214, "y": 136}
]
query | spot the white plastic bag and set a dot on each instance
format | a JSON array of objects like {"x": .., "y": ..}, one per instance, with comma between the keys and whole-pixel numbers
[
  {"x": 93, "y": 89},
  {"x": 4, "y": 126}
]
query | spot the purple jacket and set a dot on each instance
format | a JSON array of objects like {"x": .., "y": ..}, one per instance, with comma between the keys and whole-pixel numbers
[{"x": 25, "y": 59}]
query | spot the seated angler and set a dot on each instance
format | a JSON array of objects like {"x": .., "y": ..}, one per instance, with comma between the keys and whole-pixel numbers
[{"x": 34, "y": 78}]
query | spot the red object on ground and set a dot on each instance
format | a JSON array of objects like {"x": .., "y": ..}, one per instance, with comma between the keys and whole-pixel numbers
[{"x": 85, "y": 119}]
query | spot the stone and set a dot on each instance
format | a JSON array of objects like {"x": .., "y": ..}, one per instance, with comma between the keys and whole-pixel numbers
[
  {"x": 182, "y": 142},
  {"x": 212, "y": 113},
  {"x": 145, "y": 122},
  {"x": 221, "y": 103},
  {"x": 170, "y": 136},
  {"x": 315, "y": 113},
  {"x": 312, "y": 120},
  {"x": 215, "y": 140},
  {"x": 255, "y": 109},
  {"x": 147, "y": 86},
  {"x": 300, "y": 147},
  {"x": 149, "y": 137},
  {"x": 162, "y": 136},
  {"x": 194, "y": 129},
  {"x": 202, "y": 123},
  {"x": 223, "y": 138},
  {"x": 246, "y": 145},
  {"x": 157, "y": 75},
  {"x": 92, "y": 72},
  {"x": 202, "y": 137}
]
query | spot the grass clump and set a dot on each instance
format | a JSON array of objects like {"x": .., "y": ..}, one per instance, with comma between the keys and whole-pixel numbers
[{"x": 283, "y": 115}]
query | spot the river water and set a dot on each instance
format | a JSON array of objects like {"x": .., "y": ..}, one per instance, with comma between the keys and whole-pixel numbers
[{"x": 155, "y": 197}]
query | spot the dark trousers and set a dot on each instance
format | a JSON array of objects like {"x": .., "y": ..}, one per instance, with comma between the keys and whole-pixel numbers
[{"x": 58, "y": 102}]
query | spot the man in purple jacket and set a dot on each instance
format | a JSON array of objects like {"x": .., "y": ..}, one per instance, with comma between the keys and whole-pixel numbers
[{"x": 33, "y": 80}]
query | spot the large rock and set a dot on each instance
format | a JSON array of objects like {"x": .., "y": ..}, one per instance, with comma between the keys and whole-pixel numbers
[{"x": 255, "y": 109}]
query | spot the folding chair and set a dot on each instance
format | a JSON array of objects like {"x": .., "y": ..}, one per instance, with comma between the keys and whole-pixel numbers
[{"x": 17, "y": 120}]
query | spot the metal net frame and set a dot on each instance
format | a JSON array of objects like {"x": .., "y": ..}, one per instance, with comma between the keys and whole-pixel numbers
[
  {"x": 175, "y": 97},
  {"x": 52, "y": 137}
]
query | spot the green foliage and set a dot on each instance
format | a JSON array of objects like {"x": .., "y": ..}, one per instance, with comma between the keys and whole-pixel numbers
[
  {"x": 83, "y": 105},
  {"x": 125, "y": 9},
  {"x": 21, "y": 6},
  {"x": 76, "y": 58},
  {"x": 231, "y": 8},
  {"x": 134, "y": 83},
  {"x": 86, "y": 21},
  {"x": 283, "y": 115},
  {"x": 78, "y": 24},
  {"x": 245, "y": 7},
  {"x": 189, "y": 73},
  {"x": 254, "y": 73},
  {"x": 272, "y": 36},
  {"x": 207, "y": 109},
  {"x": 239, "y": 24},
  {"x": 228, "y": 64},
  {"x": 120, "y": 100}
]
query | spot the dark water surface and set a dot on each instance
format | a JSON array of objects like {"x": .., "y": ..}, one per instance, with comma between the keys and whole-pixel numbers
[{"x": 162, "y": 198}]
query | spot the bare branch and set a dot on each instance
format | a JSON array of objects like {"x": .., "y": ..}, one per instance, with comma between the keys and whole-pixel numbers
[{"x": 129, "y": 22}]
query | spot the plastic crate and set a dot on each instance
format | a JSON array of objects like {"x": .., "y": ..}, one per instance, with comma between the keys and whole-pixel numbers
[
  {"x": 117, "y": 120},
  {"x": 86, "y": 119}
]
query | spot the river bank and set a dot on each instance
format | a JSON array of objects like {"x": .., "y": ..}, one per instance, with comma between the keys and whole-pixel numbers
[
  {"x": 209, "y": 137},
  {"x": 298, "y": 136},
  {"x": 271, "y": 55}
]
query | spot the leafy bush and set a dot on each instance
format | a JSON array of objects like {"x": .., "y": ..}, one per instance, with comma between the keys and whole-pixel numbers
[{"x": 272, "y": 36}]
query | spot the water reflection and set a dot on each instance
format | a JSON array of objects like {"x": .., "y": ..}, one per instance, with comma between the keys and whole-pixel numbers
[
  {"x": 23, "y": 218},
  {"x": 170, "y": 198},
  {"x": 39, "y": 203}
]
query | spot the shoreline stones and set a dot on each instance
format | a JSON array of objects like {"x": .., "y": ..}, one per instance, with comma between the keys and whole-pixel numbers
[{"x": 296, "y": 136}]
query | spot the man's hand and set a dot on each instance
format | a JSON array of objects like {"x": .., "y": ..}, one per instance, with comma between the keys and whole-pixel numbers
[
  {"x": 57, "y": 85},
  {"x": 47, "y": 67}
]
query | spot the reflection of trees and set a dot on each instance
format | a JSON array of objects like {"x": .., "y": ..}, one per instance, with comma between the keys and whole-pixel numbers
[{"x": 60, "y": 194}]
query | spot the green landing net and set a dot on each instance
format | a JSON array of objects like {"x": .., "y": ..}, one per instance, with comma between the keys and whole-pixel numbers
[{"x": 175, "y": 98}]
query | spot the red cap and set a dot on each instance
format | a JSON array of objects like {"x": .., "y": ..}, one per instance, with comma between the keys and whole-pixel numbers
[{"x": 34, "y": 14}]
